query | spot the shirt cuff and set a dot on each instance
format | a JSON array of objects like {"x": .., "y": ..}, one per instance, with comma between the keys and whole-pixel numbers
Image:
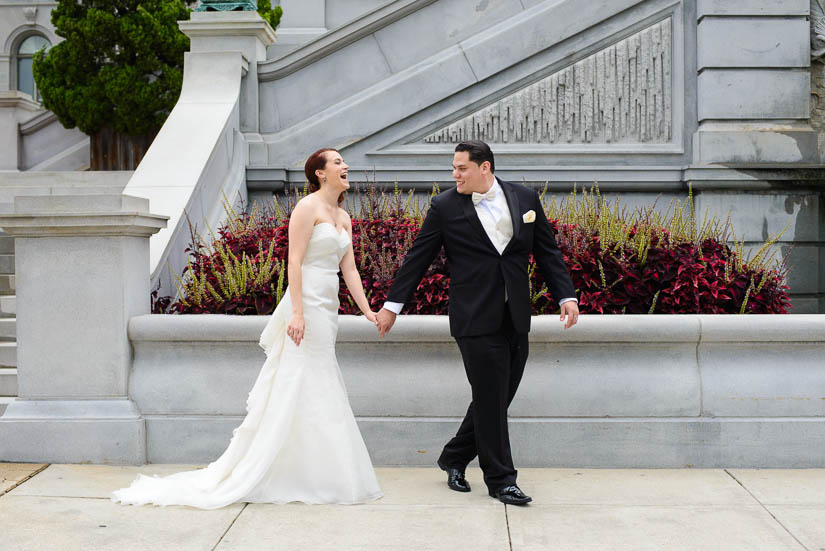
[
  {"x": 394, "y": 307},
  {"x": 562, "y": 301}
]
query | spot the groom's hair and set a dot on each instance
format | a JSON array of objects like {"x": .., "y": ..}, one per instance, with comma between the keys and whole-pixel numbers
[{"x": 479, "y": 152}]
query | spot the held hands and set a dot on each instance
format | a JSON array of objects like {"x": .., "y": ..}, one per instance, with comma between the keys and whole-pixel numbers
[
  {"x": 295, "y": 329},
  {"x": 570, "y": 309},
  {"x": 370, "y": 315},
  {"x": 385, "y": 321}
]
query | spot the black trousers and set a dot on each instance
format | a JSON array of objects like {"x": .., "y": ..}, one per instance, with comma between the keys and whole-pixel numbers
[{"x": 494, "y": 365}]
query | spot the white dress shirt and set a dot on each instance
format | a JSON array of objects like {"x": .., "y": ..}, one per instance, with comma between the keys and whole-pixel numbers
[{"x": 494, "y": 215}]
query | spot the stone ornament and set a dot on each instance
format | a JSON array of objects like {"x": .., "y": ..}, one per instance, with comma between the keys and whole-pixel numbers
[
  {"x": 223, "y": 5},
  {"x": 30, "y": 13},
  {"x": 621, "y": 94},
  {"x": 817, "y": 29}
]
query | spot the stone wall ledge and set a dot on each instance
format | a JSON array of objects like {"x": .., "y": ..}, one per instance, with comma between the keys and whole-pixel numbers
[
  {"x": 545, "y": 329},
  {"x": 615, "y": 391}
]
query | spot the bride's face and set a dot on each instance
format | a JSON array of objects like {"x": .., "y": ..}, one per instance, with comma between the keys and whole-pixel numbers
[{"x": 335, "y": 171}]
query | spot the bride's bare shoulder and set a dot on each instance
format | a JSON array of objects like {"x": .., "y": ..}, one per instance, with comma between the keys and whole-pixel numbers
[{"x": 305, "y": 211}]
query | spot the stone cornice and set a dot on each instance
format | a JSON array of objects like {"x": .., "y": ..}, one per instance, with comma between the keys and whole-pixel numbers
[
  {"x": 87, "y": 215},
  {"x": 229, "y": 23},
  {"x": 15, "y": 98},
  {"x": 564, "y": 178},
  {"x": 82, "y": 224}
]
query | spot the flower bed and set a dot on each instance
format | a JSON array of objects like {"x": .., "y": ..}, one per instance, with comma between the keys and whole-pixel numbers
[{"x": 636, "y": 262}]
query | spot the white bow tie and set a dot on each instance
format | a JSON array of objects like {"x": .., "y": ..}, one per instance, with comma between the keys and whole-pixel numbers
[{"x": 479, "y": 197}]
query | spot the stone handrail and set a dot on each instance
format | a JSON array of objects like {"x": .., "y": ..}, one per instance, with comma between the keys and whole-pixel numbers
[
  {"x": 199, "y": 156},
  {"x": 331, "y": 42}
]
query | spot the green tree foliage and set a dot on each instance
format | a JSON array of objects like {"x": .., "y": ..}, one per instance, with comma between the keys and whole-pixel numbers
[
  {"x": 269, "y": 14},
  {"x": 120, "y": 65}
]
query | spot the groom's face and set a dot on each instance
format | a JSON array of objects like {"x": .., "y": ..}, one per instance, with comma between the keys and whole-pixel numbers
[{"x": 468, "y": 175}]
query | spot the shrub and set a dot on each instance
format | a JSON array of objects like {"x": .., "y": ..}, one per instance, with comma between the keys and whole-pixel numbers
[{"x": 636, "y": 262}]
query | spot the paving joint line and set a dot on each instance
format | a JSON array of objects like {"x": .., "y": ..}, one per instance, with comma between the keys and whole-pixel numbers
[
  {"x": 507, "y": 522},
  {"x": 228, "y": 528},
  {"x": 32, "y": 475},
  {"x": 767, "y": 510},
  {"x": 61, "y": 497}
]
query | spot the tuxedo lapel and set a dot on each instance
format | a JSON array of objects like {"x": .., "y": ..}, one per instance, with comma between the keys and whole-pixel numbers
[
  {"x": 512, "y": 204},
  {"x": 472, "y": 216}
]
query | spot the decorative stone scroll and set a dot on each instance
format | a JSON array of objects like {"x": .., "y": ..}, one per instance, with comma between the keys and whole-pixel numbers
[
  {"x": 622, "y": 94},
  {"x": 817, "y": 29}
]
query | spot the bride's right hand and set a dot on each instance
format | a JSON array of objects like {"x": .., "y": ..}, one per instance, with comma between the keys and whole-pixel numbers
[{"x": 295, "y": 329}]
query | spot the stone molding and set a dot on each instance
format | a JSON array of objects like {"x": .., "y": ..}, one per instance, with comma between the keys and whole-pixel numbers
[
  {"x": 215, "y": 24},
  {"x": 81, "y": 215},
  {"x": 17, "y": 99},
  {"x": 649, "y": 329},
  {"x": 37, "y": 122},
  {"x": 612, "y": 178}
]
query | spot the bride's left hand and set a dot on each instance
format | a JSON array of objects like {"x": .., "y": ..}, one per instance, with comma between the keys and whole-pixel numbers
[{"x": 371, "y": 316}]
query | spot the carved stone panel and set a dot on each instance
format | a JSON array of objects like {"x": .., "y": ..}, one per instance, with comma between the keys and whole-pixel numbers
[
  {"x": 622, "y": 94},
  {"x": 817, "y": 29}
]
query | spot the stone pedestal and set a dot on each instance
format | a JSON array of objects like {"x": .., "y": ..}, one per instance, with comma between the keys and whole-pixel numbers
[
  {"x": 82, "y": 265},
  {"x": 234, "y": 31}
]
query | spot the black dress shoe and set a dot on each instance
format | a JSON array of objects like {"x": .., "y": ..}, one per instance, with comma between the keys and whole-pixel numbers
[
  {"x": 455, "y": 478},
  {"x": 511, "y": 495}
]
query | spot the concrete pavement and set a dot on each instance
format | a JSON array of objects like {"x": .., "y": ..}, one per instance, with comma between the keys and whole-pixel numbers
[{"x": 67, "y": 507}]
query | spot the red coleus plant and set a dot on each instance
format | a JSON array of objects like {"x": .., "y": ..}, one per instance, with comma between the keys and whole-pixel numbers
[{"x": 635, "y": 264}]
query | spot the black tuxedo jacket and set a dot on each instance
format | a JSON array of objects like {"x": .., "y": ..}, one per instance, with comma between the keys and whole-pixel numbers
[{"x": 478, "y": 273}]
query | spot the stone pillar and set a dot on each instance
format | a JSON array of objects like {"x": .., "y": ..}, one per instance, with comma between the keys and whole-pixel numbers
[
  {"x": 754, "y": 83},
  {"x": 233, "y": 31},
  {"x": 82, "y": 267},
  {"x": 236, "y": 31}
]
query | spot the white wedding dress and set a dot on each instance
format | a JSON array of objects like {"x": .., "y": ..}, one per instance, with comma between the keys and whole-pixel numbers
[{"x": 299, "y": 440}]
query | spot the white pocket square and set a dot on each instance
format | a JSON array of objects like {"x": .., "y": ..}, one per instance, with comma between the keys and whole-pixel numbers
[{"x": 529, "y": 216}]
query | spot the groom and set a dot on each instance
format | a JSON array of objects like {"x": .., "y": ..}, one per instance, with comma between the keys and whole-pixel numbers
[{"x": 488, "y": 228}]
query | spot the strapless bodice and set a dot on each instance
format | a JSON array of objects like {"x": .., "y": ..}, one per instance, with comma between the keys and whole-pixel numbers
[{"x": 326, "y": 247}]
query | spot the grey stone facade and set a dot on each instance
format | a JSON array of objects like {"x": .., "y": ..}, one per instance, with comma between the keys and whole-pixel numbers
[
  {"x": 639, "y": 95},
  {"x": 31, "y": 137},
  {"x": 732, "y": 113}
]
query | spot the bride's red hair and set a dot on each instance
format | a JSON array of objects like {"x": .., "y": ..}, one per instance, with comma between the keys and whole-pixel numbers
[{"x": 317, "y": 161}]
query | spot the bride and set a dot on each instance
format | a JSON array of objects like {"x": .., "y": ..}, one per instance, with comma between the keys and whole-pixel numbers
[{"x": 299, "y": 440}]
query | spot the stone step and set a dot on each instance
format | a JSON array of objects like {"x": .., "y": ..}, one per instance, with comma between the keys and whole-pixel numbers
[
  {"x": 8, "y": 304},
  {"x": 8, "y": 329},
  {"x": 6, "y": 263},
  {"x": 8, "y": 381},
  {"x": 7, "y": 284},
  {"x": 4, "y": 401},
  {"x": 6, "y": 244},
  {"x": 8, "y": 354}
]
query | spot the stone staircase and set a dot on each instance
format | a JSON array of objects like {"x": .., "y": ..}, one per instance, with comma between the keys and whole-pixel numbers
[{"x": 8, "y": 324}]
